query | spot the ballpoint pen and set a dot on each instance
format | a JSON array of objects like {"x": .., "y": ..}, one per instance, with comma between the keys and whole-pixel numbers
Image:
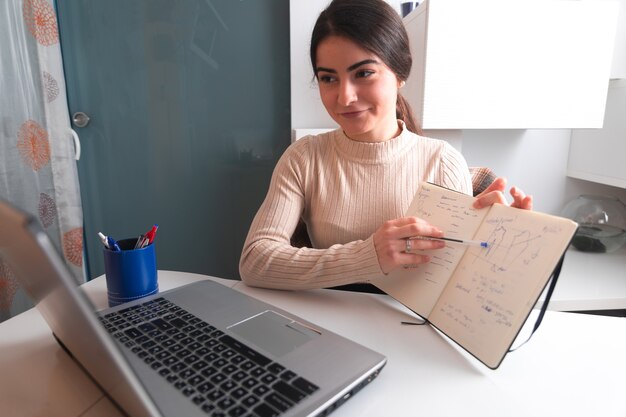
[
  {"x": 459, "y": 241},
  {"x": 103, "y": 238},
  {"x": 150, "y": 235},
  {"x": 108, "y": 242},
  {"x": 148, "y": 238},
  {"x": 139, "y": 243},
  {"x": 112, "y": 244}
]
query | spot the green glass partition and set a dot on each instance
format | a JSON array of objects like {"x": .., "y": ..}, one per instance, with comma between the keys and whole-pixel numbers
[{"x": 188, "y": 111}]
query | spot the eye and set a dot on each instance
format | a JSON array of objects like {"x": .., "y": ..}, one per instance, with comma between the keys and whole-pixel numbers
[
  {"x": 326, "y": 78},
  {"x": 364, "y": 73}
]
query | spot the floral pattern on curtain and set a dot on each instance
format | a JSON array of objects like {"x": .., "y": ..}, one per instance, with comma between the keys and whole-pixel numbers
[{"x": 37, "y": 166}]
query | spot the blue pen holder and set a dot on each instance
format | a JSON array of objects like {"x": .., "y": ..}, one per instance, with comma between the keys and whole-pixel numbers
[{"x": 130, "y": 273}]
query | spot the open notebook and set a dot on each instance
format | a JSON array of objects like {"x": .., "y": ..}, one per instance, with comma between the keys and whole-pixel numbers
[{"x": 480, "y": 296}]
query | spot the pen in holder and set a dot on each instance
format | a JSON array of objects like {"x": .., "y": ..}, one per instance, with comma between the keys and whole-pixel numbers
[{"x": 130, "y": 273}]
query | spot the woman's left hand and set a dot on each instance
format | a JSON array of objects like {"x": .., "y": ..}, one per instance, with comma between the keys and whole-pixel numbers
[{"x": 495, "y": 194}]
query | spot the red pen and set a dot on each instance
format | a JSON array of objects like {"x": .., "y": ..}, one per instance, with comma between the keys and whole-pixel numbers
[{"x": 150, "y": 235}]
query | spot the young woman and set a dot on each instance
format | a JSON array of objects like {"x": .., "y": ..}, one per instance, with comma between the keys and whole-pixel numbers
[{"x": 352, "y": 186}]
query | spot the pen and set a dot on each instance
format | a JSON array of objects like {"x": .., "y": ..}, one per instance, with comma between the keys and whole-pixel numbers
[
  {"x": 139, "y": 242},
  {"x": 150, "y": 235},
  {"x": 112, "y": 244},
  {"x": 459, "y": 241},
  {"x": 103, "y": 238}
]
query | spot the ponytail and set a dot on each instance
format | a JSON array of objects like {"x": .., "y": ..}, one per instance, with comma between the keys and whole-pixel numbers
[{"x": 405, "y": 113}]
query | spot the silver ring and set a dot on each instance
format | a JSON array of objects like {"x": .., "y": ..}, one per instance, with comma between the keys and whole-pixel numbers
[{"x": 407, "y": 247}]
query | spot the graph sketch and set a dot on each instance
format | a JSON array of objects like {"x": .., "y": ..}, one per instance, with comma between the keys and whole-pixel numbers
[{"x": 507, "y": 244}]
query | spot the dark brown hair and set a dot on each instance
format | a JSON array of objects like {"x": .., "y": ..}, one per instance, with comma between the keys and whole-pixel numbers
[{"x": 377, "y": 28}]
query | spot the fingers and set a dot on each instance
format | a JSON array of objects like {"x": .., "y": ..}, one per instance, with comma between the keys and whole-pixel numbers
[
  {"x": 521, "y": 200},
  {"x": 489, "y": 199},
  {"x": 492, "y": 194},
  {"x": 495, "y": 194},
  {"x": 395, "y": 249},
  {"x": 408, "y": 227}
]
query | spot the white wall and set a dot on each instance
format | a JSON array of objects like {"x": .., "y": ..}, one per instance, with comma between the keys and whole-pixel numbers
[{"x": 533, "y": 159}]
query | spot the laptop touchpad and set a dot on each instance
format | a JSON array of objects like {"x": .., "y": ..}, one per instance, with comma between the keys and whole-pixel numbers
[{"x": 273, "y": 332}]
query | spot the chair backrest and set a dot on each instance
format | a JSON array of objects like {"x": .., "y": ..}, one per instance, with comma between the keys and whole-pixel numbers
[{"x": 482, "y": 177}]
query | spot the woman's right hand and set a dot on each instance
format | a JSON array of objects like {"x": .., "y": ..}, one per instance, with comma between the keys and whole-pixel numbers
[{"x": 390, "y": 242}]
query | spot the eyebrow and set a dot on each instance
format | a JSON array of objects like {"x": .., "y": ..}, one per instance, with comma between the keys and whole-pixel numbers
[{"x": 350, "y": 68}]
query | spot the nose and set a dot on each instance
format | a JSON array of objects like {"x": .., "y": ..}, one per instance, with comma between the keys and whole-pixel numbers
[{"x": 347, "y": 93}]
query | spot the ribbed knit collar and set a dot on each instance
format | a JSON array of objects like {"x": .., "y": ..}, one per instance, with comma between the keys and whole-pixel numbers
[{"x": 374, "y": 152}]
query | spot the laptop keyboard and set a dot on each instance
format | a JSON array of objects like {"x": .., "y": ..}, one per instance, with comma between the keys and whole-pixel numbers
[{"x": 221, "y": 375}]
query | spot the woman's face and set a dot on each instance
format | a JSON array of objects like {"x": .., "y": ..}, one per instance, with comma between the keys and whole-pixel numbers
[{"x": 358, "y": 90}]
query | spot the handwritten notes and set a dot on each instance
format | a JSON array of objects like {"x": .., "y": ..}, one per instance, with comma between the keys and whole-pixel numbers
[
  {"x": 491, "y": 292},
  {"x": 451, "y": 212}
]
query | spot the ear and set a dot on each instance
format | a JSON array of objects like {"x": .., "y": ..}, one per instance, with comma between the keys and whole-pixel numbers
[{"x": 401, "y": 83}]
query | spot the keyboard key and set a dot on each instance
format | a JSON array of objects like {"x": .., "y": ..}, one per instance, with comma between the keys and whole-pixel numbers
[
  {"x": 146, "y": 327},
  {"x": 238, "y": 393},
  {"x": 249, "y": 383},
  {"x": 161, "y": 324},
  {"x": 305, "y": 386},
  {"x": 245, "y": 350},
  {"x": 275, "y": 368},
  {"x": 229, "y": 369},
  {"x": 200, "y": 365},
  {"x": 133, "y": 333},
  {"x": 215, "y": 395},
  {"x": 218, "y": 378},
  {"x": 261, "y": 390},
  {"x": 228, "y": 385},
  {"x": 288, "y": 391},
  {"x": 178, "y": 366},
  {"x": 239, "y": 375},
  {"x": 237, "y": 411},
  {"x": 195, "y": 380},
  {"x": 187, "y": 373},
  {"x": 250, "y": 401},
  {"x": 287, "y": 375},
  {"x": 209, "y": 371},
  {"x": 178, "y": 322},
  {"x": 198, "y": 399},
  {"x": 205, "y": 387},
  {"x": 264, "y": 410},
  {"x": 268, "y": 379},
  {"x": 278, "y": 401}
]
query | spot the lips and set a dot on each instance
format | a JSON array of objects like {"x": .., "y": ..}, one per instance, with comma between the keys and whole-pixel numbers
[{"x": 352, "y": 114}]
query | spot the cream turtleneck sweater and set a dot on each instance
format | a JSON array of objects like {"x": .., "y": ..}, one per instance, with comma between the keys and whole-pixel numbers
[{"x": 344, "y": 190}]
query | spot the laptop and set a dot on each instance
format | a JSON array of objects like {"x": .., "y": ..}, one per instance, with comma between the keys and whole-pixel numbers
[{"x": 197, "y": 350}]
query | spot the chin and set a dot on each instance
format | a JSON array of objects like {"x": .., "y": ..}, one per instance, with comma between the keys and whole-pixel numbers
[{"x": 353, "y": 129}]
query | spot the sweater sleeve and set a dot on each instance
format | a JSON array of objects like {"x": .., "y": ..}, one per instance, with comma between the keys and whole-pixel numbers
[{"x": 268, "y": 259}]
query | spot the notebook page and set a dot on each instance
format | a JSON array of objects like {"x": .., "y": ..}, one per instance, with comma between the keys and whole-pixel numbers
[
  {"x": 493, "y": 290},
  {"x": 419, "y": 288}
]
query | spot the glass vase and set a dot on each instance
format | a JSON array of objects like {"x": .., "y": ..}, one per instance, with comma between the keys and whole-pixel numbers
[{"x": 601, "y": 222}]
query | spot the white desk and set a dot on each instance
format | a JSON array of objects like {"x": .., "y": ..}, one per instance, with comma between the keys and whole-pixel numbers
[
  {"x": 591, "y": 281},
  {"x": 574, "y": 365}
]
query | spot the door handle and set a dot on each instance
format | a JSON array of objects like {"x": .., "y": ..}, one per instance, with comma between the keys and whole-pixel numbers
[
  {"x": 76, "y": 144},
  {"x": 80, "y": 119}
]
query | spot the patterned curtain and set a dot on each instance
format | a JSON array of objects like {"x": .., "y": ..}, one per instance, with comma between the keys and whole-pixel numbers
[{"x": 37, "y": 153}]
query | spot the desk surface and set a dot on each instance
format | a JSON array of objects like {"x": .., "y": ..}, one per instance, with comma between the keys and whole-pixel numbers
[
  {"x": 574, "y": 365},
  {"x": 591, "y": 281}
]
